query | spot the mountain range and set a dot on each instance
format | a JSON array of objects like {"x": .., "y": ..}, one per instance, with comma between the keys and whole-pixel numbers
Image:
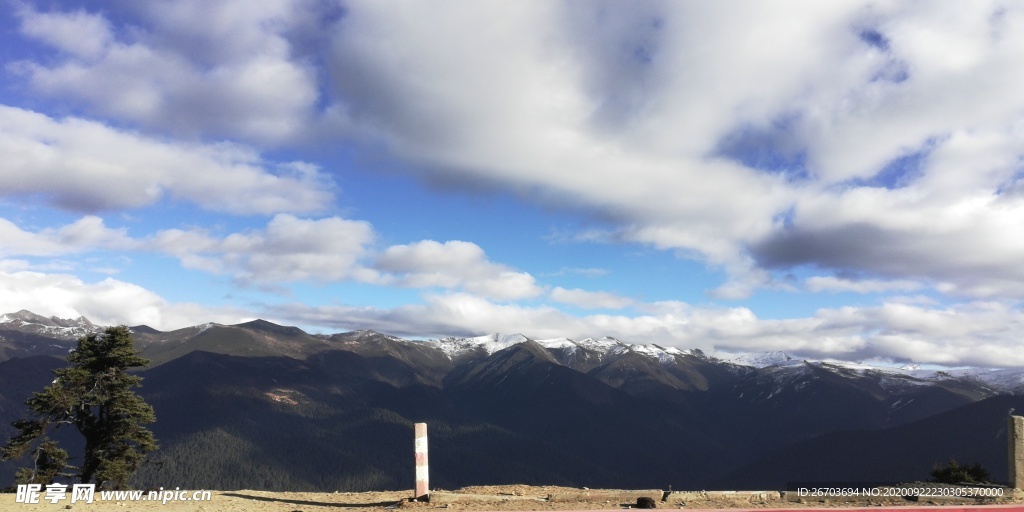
[{"x": 263, "y": 406}]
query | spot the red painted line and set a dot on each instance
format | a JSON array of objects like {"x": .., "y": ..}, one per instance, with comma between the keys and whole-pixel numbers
[
  {"x": 897, "y": 508},
  {"x": 907, "y": 508}
]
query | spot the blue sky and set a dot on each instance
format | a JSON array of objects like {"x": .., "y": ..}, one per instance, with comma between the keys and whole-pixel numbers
[{"x": 836, "y": 181}]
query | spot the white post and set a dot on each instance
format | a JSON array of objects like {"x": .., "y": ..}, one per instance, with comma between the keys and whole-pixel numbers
[
  {"x": 1015, "y": 450},
  {"x": 422, "y": 468}
]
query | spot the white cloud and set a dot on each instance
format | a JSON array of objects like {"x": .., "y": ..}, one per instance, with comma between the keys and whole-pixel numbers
[
  {"x": 957, "y": 77},
  {"x": 188, "y": 67},
  {"x": 86, "y": 166},
  {"x": 107, "y": 302},
  {"x": 679, "y": 124},
  {"x": 15, "y": 265},
  {"x": 86, "y": 234},
  {"x": 591, "y": 272},
  {"x": 975, "y": 333},
  {"x": 836, "y": 284},
  {"x": 673, "y": 121},
  {"x": 453, "y": 264},
  {"x": 79, "y": 33},
  {"x": 288, "y": 249},
  {"x": 879, "y": 139},
  {"x": 970, "y": 244},
  {"x": 588, "y": 299},
  {"x": 536, "y": 118}
]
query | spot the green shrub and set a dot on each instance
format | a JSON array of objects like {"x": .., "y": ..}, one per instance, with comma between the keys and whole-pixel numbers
[{"x": 954, "y": 473}]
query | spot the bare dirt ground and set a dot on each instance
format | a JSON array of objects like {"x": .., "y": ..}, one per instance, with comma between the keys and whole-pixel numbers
[{"x": 479, "y": 498}]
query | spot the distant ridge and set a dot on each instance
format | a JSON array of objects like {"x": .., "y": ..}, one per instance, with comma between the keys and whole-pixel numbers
[
  {"x": 462, "y": 348},
  {"x": 271, "y": 404}
]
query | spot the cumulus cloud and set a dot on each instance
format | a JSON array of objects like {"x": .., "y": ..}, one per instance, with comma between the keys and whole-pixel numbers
[
  {"x": 453, "y": 264},
  {"x": 78, "y": 33},
  {"x": 86, "y": 234},
  {"x": 970, "y": 244},
  {"x": 106, "y": 302},
  {"x": 679, "y": 125},
  {"x": 539, "y": 118},
  {"x": 288, "y": 249},
  {"x": 188, "y": 67},
  {"x": 836, "y": 284},
  {"x": 84, "y": 165},
  {"x": 868, "y": 127}
]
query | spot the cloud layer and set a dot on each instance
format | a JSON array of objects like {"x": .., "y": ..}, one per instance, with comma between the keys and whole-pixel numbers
[
  {"x": 754, "y": 138},
  {"x": 107, "y": 302},
  {"x": 879, "y": 139},
  {"x": 840, "y": 148},
  {"x": 189, "y": 67},
  {"x": 87, "y": 166},
  {"x": 982, "y": 334},
  {"x": 453, "y": 264}
]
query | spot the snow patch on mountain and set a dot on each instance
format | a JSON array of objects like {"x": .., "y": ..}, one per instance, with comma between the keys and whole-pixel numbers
[
  {"x": 559, "y": 343},
  {"x": 610, "y": 346},
  {"x": 454, "y": 347},
  {"x": 53, "y": 327},
  {"x": 663, "y": 355},
  {"x": 893, "y": 383},
  {"x": 756, "y": 359},
  {"x": 774, "y": 380},
  {"x": 205, "y": 327},
  {"x": 1003, "y": 379}
]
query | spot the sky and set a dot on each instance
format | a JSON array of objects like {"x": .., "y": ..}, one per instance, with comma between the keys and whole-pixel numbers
[{"x": 838, "y": 179}]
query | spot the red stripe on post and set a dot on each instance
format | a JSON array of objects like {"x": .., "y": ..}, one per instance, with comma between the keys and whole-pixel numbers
[{"x": 422, "y": 466}]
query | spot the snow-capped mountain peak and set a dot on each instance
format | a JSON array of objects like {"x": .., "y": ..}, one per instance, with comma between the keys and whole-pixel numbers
[
  {"x": 756, "y": 359},
  {"x": 1005, "y": 379},
  {"x": 558, "y": 343},
  {"x": 60, "y": 328},
  {"x": 454, "y": 347},
  {"x": 602, "y": 347},
  {"x": 500, "y": 341}
]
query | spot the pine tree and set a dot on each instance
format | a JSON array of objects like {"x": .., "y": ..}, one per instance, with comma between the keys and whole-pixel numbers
[{"x": 94, "y": 393}]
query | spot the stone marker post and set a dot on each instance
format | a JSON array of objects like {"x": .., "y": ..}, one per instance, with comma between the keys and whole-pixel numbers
[
  {"x": 1015, "y": 449},
  {"x": 422, "y": 471}
]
